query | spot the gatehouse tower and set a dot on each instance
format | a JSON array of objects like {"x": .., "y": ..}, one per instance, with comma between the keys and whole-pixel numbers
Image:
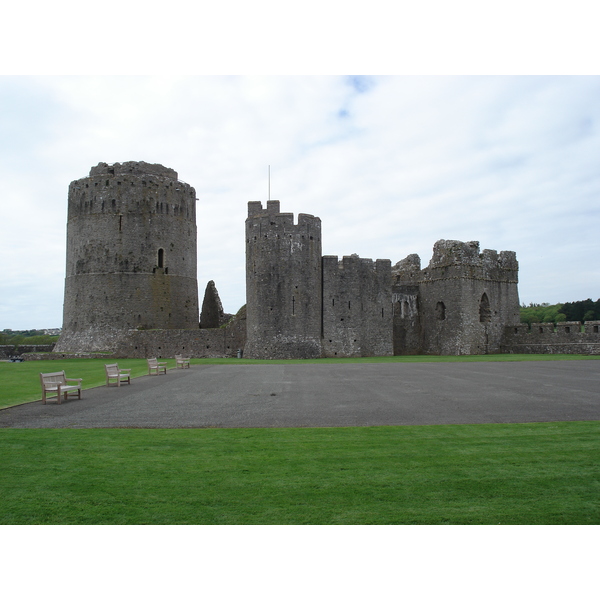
[{"x": 283, "y": 283}]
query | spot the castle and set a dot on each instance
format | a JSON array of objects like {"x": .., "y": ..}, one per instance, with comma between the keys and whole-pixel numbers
[
  {"x": 301, "y": 304},
  {"x": 131, "y": 286}
]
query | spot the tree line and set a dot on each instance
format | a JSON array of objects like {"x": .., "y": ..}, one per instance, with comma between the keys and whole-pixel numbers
[
  {"x": 30, "y": 337},
  {"x": 582, "y": 310}
]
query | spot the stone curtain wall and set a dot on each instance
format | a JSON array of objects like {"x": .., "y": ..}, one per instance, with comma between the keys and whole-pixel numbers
[
  {"x": 223, "y": 342},
  {"x": 12, "y": 350},
  {"x": 357, "y": 314},
  {"x": 545, "y": 338}
]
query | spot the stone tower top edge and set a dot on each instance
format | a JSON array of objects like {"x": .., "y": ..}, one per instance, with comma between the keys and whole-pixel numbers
[
  {"x": 273, "y": 209},
  {"x": 255, "y": 208},
  {"x": 454, "y": 252},
  {"x": 133, "y": 168},
  {"x": 354, "y": 261}
]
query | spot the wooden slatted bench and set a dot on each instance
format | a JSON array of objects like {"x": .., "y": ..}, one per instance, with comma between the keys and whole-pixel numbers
[
  {"x": 113, "y": 372},
  {"x": 58, "y": 382},
  {"x": 181, "y": 363},
  {"x": 155, "y": 366}
]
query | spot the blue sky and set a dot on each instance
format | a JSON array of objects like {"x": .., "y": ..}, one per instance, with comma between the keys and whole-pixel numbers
[{"x": 390, "y": 164}]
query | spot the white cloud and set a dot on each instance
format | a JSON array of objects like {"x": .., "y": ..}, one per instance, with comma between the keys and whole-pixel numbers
[{"x": 390, "y": 168}]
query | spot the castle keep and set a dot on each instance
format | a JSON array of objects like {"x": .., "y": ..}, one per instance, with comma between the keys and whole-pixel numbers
[
  {"x": 131, "y": 255},
  {"x": 131, "y": 286}
]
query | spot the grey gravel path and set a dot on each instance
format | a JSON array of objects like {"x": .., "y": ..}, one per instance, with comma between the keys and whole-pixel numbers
[{"x": 332, "y": 395}]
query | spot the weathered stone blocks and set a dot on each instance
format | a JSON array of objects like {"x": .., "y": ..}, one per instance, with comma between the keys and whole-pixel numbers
[{"x": 131, "y": 255}]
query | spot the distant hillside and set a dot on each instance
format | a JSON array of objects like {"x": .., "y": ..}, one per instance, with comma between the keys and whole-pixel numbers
[{"x": 583, "y": 310}]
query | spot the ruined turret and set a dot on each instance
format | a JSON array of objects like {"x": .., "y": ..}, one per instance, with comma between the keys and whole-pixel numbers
[{"x": 459, "y": 304}]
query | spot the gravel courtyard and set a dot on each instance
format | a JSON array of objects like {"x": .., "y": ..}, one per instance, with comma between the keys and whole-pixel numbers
[{"x": 331, "y": 395}]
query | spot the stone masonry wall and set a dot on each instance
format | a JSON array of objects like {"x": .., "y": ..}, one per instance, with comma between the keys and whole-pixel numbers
[
  {"x": 7, "y": 351},
  {"x": 466, "y": 299},
  {"x": 222, "y": 342},
  {"x": 545, "y": 338},
  {"x": 131, "y": 255},
  {"x": 283, "y": 283},
  {"x": 357, "y": 314}
]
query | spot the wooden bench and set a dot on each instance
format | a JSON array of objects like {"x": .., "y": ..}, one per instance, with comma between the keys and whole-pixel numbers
[
  {"x": 155, "y": 366},
  {"x": 113, "y": 372},
  {"x": 181, "y": 363},
  {"x": 58, "y": 382}
]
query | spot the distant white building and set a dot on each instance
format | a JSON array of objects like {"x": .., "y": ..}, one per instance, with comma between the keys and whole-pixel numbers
[{"x": 55, "y": 331}]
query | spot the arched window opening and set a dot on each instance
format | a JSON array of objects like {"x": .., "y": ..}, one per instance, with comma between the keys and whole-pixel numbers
[
  {"x": 440, "y": 311},
  {"x": 161, "y": 258},
  {"x": 485, "y": 314},
  {"x": 405, "y": 309}
]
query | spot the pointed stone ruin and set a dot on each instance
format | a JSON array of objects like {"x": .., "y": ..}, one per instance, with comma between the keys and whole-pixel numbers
[{"x": 212, "y": 314}]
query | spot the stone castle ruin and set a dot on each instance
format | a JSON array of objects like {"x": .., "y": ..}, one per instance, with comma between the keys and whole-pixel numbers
[
  {"x": 301, "y": 304},
  {"x": 131, "y": 286}
]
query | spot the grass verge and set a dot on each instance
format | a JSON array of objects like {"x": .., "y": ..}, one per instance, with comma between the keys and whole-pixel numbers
[
  {"x": 20, "y": 382},
  {"x": 544, "y": 473}
]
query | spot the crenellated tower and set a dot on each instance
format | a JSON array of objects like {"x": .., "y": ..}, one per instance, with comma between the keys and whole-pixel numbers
[
  {"x": 283, "y": 283},
  {"x": 131, "y": 255}
]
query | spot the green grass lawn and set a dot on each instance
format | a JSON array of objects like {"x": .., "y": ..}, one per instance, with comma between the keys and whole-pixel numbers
[
  {"x": 545, "y": 473},
  {"x": 20, "y": 382}
]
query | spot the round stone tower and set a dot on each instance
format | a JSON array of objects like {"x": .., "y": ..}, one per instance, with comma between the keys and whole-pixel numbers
[
  {"x": 283, "y": 284},
  {"x": 131, "y": 255}
]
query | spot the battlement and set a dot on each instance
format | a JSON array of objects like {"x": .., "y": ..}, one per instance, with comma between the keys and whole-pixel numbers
[
  {"x": 462, "y": 260},
  {"x": 255, "y": 209},
  {"x": 353, "y": 262},
  {"x": 132, "y": 168},
  {"x": 131, "y": 188},
  {"x": 269, "y": 224},
  {"x": 276, "y": 217},
  {"x": 566, "y": 337}
]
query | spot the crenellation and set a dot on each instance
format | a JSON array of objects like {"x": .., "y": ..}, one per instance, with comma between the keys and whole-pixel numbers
[
  {"x": 569, "y": 326},
  {"x": 546, "y": 338},
  {"x": 592, "y": 327}
]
